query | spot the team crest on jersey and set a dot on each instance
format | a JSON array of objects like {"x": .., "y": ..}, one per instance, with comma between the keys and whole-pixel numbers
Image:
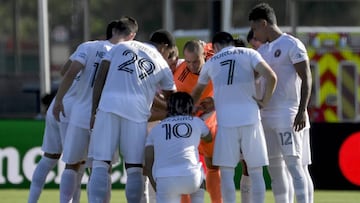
[{"x": 277, "y": 53}]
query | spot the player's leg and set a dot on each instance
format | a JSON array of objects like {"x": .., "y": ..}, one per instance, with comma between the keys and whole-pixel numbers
[
  {"x": 198, "y": 184},
  {"x": 75, "y": 154},
  {"x": 279, "y": 179},
  {"x": 291, "y": 188},
  {"x": 227, "y": 155},
  {"x": 276, "y": 168},
  {"x": 149, "y": 192},
  {"x": 77, "y": 192},
  {"x": 309, "y": 184},
  {"x": 306, "y": 161},
  {"x": 257, "y": 184},
  {"x": 291, "y": 146},
  {"x": 45, "y": 165},
  {"x": 132, "y": 142},
  {"x": 213, "y": 181},
  {"x": 165, "y": 190},
  {"x": 245, "y": 183},
  {"x": 103, "y": 144},
  {"x": 228, "y": 190},
  {"x": 253, "y": 147},
  {"x": 52, "y": 147}
]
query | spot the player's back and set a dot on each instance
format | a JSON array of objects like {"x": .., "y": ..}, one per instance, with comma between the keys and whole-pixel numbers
[
  {"x": 136, "y": 71},
  {"x": 175, "y": 141},
  {"x": 232, "y": 73},
  {"x": 89, "y": 55}
]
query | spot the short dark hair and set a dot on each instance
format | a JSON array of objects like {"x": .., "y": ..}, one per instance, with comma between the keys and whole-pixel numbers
[
  {"x": 239, "y": 42},
  {"x": 180, "y": 103},
  {"x": 250, "y": 35},
  {"x": 126, "y": 25},
  {"x": 162, "y": 36},
  {"x": 110, "y": 28},
  {"x": 263, "y": 11},
  {"x": 223, "y": 38}
]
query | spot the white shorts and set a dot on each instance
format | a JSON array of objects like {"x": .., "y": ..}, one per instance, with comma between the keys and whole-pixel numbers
[
  {"x": 249, "y": 140},
  {"x": 54, "y": 136},
  {"x": 76, "y": 144},
  {"x": 170, "y": 189},
  {"x": 306, "y": 150},
  {"x": 282, "y": 141},
  {"x": 111, "y": 131}
]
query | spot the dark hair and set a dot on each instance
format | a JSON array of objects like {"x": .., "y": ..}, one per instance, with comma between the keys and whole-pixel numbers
[
  {"x": 180, "y": 103},
  {"x": 238, "y": 42},
  {"x": 163, "y": 37},
  {"x": 223, "y": 38},
  {"x": 263, "y": 11},
  {"x": 110, "y": 28},
  {"x": 250, "y": 35},
  {"x": 126, "y": 25}
]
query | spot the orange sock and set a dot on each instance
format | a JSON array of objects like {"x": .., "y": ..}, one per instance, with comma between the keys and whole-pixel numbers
[
  {"x": 185, "y": 199},
  {"x": 213, "y": 181}
]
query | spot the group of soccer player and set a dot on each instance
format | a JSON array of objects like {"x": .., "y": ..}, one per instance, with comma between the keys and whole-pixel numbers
[{"x": 223, "y": 104}]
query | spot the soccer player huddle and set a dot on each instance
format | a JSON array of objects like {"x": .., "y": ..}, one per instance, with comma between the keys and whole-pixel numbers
[{"x": 182, "y": 126}]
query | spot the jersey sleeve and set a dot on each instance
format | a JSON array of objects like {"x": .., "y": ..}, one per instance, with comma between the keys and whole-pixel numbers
[
  {"x": 256, "y": 58},
  {"x": 167, "y": 82},
  {"x": 149, "y": 138},
  {"x": 81, "y": 53},
  {"x": 204, "y": 74},
  {"x": 298, "y": 52},
  {"x": 203, "y": 127},
  {"x": 109, "y": 54}
]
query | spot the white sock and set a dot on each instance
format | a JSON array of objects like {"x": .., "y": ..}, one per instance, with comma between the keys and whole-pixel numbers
[
  {"x": 99, "y": 184},
  {"x": 108, "y": 196},
  {"x": 77, "y": 192},
  {"x": 279, "y": 180},
  {"x": 134, "y": 187},
  {"x": 67, "y": 185},
  {"x": 245, "y": 189},
  {"x": 298, "y": 177},
  {"x": 145, "y": 197},
  {"x": 257, "y": 184},
  {"x": 198, "y": 196},
  {"x": 227, "y": 184},
  {"x": 291, "y": 187},
  {"x": 310, "y": 184},
  {"x": 43, "y": 168}
]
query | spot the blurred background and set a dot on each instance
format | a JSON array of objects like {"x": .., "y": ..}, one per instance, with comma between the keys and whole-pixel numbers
[
  {"x": 38, "y": 36},
  {"x": 71, "y": 22}
]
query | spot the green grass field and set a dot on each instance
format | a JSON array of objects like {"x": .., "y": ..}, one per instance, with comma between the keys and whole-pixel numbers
[{"x": 118, "y": 196}]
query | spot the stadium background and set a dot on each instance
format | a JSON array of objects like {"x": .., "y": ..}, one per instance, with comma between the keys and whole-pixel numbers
[{"x": 330, "y": 30}]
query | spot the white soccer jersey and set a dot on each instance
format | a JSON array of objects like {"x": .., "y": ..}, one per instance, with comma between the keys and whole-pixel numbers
[
  {"x": 281, "y": 54},
  {"x": 232, "y": 73},
  {"x": 136, "y": 71},
  {"x": 176, "y": 140},
  {"x": 68, "y": 99},
  {"x": 88, "y": 54}
]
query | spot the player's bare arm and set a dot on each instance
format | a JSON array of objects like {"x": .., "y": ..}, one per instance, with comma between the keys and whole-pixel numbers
[
  {"x": 303, "y": 70},
  {"x": 68, "y": 79},
  {"x": 265, "y": 70},
  {"x": 65, "y": 67},
  {"x": 197, "y": 91},
  {"x": 149, "y": 162},
  {"x": 98, "y": 87}
]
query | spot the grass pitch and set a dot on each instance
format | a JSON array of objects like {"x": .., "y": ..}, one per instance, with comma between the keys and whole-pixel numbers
[{"x": 118, "y": 196}]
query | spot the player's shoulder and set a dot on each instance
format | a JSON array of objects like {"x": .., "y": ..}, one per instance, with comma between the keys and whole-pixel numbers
[{"x": 290, "y": 39}]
